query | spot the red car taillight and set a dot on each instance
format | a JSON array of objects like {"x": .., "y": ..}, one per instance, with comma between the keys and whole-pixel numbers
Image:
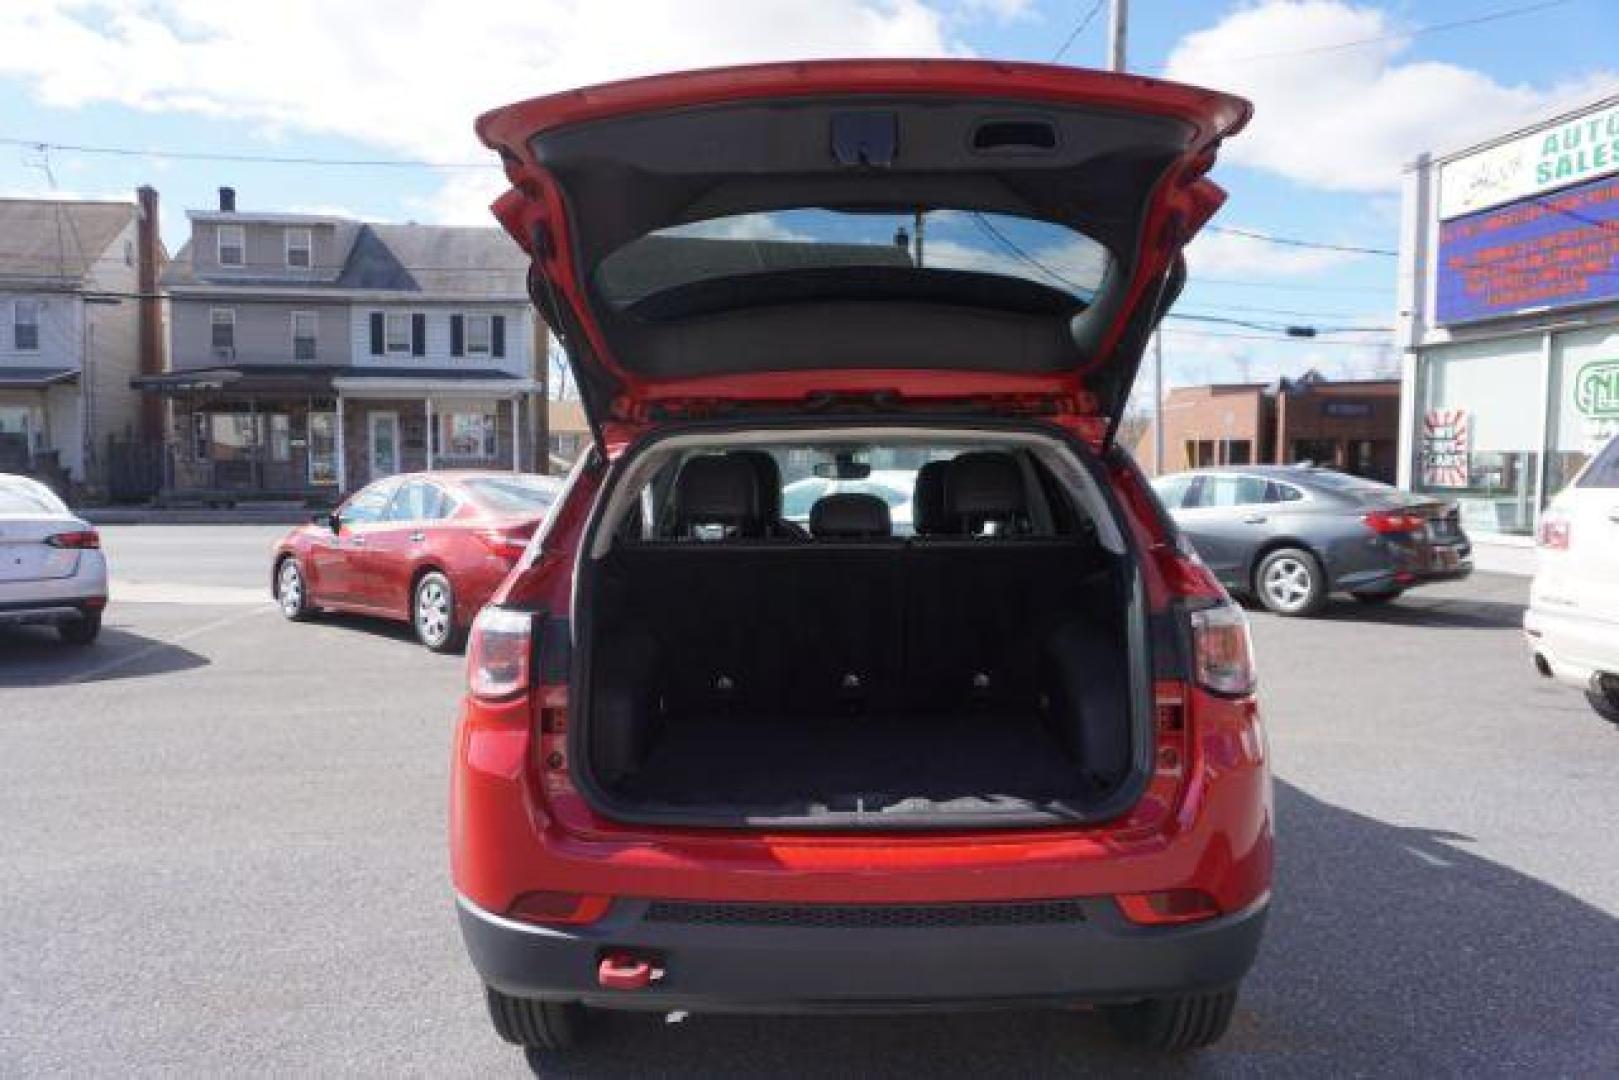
[
  {"x": 87, "y": 538},
  {"x": 510, "y": 542},
  {"x": 558, "y": 908},
  {"x": 1553, "y": 532},
  {"x": 1222, "y": 652},
  {"x": 1388, "y": 522},
  {"x": 498, "y": 651}
]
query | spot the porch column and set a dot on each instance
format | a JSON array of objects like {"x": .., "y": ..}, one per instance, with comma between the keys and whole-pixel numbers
[
  {"x": 430, "y": 433},
  {"x": 342, "y": 454},
  {"x": 517, "y": 440}
]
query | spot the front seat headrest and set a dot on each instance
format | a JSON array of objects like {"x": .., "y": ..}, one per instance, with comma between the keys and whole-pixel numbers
[
  {"x": 768, "y": 474},
  {"x": 850, "y": 516},
  {"x": 929, "y": 516},
  {"x": 984, "y": 486},
  {"x": 718, "y": 489}
]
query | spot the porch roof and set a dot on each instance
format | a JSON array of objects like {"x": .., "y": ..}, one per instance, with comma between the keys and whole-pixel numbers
[
  {"x": 35, "y": 378},
  {"x": 243, "y": 379}
]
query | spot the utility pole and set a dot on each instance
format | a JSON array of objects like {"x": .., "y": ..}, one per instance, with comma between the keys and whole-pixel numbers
[{"x": 1118, "y": 18}]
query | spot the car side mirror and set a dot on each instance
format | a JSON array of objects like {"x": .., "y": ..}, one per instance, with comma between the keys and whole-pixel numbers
[{"x": 333, "y": 521}]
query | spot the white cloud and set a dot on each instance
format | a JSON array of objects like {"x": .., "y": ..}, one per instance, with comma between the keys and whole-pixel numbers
[
  {"x": 409, "y": 76},
  {"x": 1233, "y": 254},
  {"x": 1000, "y": 10},
  {"x": 1348, "y": 120}
]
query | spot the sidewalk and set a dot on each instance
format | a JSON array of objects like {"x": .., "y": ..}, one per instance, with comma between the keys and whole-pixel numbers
[{"x": 261, "y": 514}]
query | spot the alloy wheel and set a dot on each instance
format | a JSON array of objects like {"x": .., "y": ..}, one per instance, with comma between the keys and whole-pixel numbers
[
  {"x": 1288, "y": 583},
  {"x": 433, "y": 611},
  {"x": 290, "y": 589}
]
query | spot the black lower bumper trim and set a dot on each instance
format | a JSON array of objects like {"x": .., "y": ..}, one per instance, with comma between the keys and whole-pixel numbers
[{"x": 787, "y": 968}]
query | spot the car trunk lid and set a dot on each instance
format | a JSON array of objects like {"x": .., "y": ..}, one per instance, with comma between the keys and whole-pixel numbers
[
  {"x": 26, "y": 555},
  {"x": 873, "y": 236}
]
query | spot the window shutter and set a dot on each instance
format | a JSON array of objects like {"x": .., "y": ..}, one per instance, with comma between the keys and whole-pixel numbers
[
  {"x": 497, "y": 335},
  {"x": 457, "y": 328},
  {"x": 418, "y": 335},
  {"x": 376, "y": 333}
]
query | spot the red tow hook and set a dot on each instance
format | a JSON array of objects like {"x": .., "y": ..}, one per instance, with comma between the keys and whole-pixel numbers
[{"x": 621, "y": 971}]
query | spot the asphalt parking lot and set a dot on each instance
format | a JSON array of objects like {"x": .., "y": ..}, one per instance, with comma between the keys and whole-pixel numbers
[{"x": 223, "y": 850}]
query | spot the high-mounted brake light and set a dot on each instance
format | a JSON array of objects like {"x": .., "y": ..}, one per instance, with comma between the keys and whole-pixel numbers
[
  {"x": 498, "y": 652},
  {"x": 1222, "y": 652},
  {"x": 1389, "y": 522},
  {"x": 82, "y": 539},
  {"x": 1554, "y": 532}
]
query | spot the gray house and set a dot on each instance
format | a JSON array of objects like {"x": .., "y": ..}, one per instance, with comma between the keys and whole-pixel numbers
[
  {"x": 74, "y": 330},
  {"x": 312, "y": 354}
]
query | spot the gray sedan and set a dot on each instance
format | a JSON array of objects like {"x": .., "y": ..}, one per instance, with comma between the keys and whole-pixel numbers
[{"x": 1289, "y": 535}]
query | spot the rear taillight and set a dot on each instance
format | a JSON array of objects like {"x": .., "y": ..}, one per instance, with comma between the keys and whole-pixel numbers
[
  {"x": 512, "y": 542},
  {"x": 1222, "y": 653},
  {"x": 558, "y": 908},
  {"x": 1168, "y": 907},
  {"x": 1554, "y": 531},
  {"x": 498, "y": 650},
  {"x": 86, "y": 538},
  {"x": 1388, "y": 522}
]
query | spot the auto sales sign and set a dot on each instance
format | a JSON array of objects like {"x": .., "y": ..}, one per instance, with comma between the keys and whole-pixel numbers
[{"x": 1532, "y": 224}]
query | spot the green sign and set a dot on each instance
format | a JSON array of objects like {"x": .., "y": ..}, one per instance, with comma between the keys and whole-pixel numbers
[{"x": 1596, "y": 389}]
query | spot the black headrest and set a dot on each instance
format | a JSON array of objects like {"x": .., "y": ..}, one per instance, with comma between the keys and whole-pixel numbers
[
  {"x": 768, "y": 474},
  {"x": 850, "y": 516},
  {"x": 929, "y": 515},
  {"x": 984, "y": 484},
  {"x": 717, "y": 489}
]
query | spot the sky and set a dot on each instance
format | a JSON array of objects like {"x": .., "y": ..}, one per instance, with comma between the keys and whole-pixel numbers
[{"x": 1345, "y": 94}]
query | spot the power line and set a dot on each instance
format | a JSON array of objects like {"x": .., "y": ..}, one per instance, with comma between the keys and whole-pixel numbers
[
  {"x": 1288, "y": 241},
  {"x": 1264, "y": 337},
  {"x": 1292, "y": 286},
  {"x": 1078, "y": 30},
  {"x": 256, "y": 159},
  {"x": 1421, "y": 31}
]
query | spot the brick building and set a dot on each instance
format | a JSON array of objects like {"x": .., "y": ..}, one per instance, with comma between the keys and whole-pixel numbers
[{"x": 1352, "y": 425}]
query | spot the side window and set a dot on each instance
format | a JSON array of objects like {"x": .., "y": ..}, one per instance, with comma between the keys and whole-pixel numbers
[
  {"x": 1231, "y": 491},
  {"x": 1277, "y": 492},
  {"x": 417, "y": 500},
  {"x": 368, "y": 506},
  {"x": 1604, "y": 471},
  {"x": 1172, "y": 491}
]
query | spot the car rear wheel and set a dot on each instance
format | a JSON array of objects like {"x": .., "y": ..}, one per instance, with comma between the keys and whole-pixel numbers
[
  {"x": 1387, "y": 596},
  {"x": 433, "y": 613},
  {"x": 1174, "y": 1024},
  {"x": 1290, "y": 581},
  {"x": 537, "y": 1025},
  {"x": 80, "y": 631},
  {"x": 1604, "y": 698},
  {"x": 291, "y": 591}
]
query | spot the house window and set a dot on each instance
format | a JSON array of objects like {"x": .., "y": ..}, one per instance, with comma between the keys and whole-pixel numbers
[
  {"x": 480, "y": 337},
  {"x": 300, "y": 249},
  {"x": 303, "y": 335},
  {"x": 25, "y": 325},
  {"x": 232, "y": 245},
  {"x": 466, "y": 435},
  {"x": 223, "y": 328},
  {"x": 398, "y": 332}
]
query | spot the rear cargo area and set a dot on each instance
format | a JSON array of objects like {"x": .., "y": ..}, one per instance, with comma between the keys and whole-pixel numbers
[{"x": 833, "y": 674}]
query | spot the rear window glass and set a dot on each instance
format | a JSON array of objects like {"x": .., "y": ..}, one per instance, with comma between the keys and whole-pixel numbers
[
  {"x": 1604, "y": 471},
  {"x": 913, "y": 245},
  {"x": 1348, "y": 485},
  {"x": 513, "y": 494},
  {"x": 29, "y": 500}
]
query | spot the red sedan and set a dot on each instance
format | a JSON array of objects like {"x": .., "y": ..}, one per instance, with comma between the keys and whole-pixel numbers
[{"x": 425, "y": 547}]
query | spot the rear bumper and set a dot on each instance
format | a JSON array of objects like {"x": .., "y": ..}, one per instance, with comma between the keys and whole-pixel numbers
[
  {"x": 1096, "y": 956},
  {"x": 1575, "y": 647},
  {"x": 49, "y": 612}
]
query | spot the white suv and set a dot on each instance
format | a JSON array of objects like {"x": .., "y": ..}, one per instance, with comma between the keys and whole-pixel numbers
[{"x": 1573, "y": 617}]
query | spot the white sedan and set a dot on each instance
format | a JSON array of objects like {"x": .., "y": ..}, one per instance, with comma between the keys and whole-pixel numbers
[
  {"x": 892, "y": 486},
  {"x": 51, "y": 567},
  {"x": 1573, "y": 619}
]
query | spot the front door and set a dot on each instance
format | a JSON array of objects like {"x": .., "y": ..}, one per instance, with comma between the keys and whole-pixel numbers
[{"x": 383, "y": 438}]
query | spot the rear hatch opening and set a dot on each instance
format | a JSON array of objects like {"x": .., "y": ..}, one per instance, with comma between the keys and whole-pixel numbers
[{"x": 858, "y": 626}]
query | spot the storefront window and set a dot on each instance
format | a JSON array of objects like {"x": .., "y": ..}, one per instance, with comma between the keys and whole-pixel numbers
[
  {"x": 1585, "y": 402},
  {"x": 467, "y": 435},
  {"x": 1479, "y": 437},
  {"x": 239, "y": 436}
]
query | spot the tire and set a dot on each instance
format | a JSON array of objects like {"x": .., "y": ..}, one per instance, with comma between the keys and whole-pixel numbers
[
  {"x": 81, "y": 631},
  {"x": 1386, "y": 597},
  {"x": 536, "y": 1025},
  {"x": 1176, "y": 1024},
  {"x": 1605, "y": 702},
  {"x": 1290, "y": 581},
  {"x": 432, "y": 613},
  {"x": 292, "y": 590}
]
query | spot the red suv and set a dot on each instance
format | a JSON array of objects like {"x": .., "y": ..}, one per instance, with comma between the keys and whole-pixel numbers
[{"x": 984, "y": 734}]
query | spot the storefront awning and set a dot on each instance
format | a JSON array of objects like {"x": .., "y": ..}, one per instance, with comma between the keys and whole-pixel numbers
[
  {"x": 431, "y": 382},
  {"x": 35, "y": 378}
]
